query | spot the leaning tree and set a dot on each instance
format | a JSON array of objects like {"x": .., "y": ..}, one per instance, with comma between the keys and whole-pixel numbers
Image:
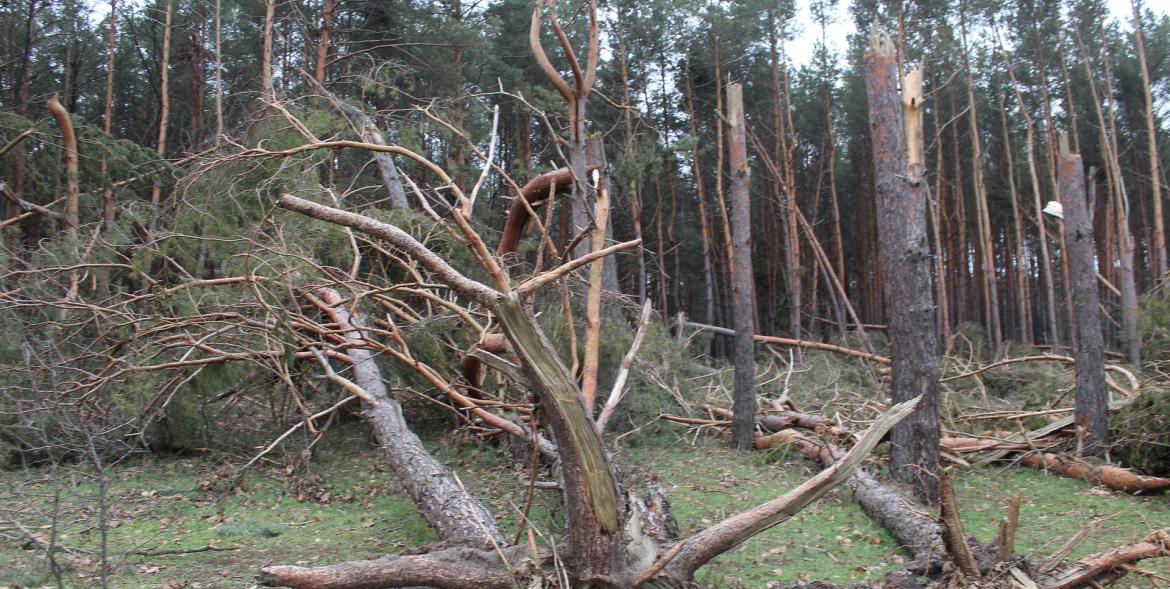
[{"x": 612, "y": 537}]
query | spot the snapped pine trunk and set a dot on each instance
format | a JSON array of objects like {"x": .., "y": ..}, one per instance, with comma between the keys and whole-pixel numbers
[
  {"x": 744, "y": 397},
  {"x": 904, "y": 250},
  {"x": 1088, "y": 346}
]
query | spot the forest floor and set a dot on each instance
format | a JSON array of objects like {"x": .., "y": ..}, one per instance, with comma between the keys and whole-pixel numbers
[{"x": 350, "y": 507}]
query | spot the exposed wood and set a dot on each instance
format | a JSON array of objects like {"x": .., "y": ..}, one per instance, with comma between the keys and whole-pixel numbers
[
  {"x": 535, "y": 192},
  {"x": 1116, "y": 478},
  {"x": 725, "y": 535},
  {"x": 323, "y": 41},
  {"x": 618, "y": 390},
  {"x": 951, "y": 526},
  {"x": 69, "y": 142},
  {"x": 592, "y": 354},
  {"x": 1006, "y": 548},
  {"x": 1105, "y": 565},
  {"x": 904, "y": 249},
  {"x": 914, "y": 531}
]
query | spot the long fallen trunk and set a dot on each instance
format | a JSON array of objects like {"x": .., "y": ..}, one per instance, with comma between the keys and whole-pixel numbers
[
  {"x": 917, "y": 533},
  {"x": 455, "y": 514},
  {"x": 1107, "y": 567},
  {"x": 1119, "y": 479},
  {"x": 796, "y": 343}
]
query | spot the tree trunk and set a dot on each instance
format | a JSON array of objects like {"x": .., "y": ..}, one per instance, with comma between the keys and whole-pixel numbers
[
  {"x": 164, "y": 100},
  {"x": 267, "y": 91},
  {"x": 455, "y": 514},
  {"x": 1089, "y": 348},
  {"x": 1125, "y": 241},
  {"x": 905, "y": 261},
  {"x": 700, "y": 191},
  {"x": 69, "y": 142},
  {"x": 218, "y": 70},
  {"x": 742, "y": 277},
  {"x": 108, "y": 202},
  {"x": 1159, "y": 244},
  {"x": 323, "y": 42},
  {"x": 991, "y": 309}
]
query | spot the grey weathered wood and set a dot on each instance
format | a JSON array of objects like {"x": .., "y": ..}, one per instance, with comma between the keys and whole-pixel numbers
[
  {"x": 743, "y": 421},
  {"x": 1091, "y": 411}
]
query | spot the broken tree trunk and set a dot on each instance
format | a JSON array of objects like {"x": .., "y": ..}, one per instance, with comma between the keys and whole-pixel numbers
[
  {"x": 904, "y": 250},
  {"x": 534, "y": 193},
  {"x": 605, "y": 544},
  {"x": 1119, "y": 479},
  {"x": 915, "y": 532},
  {"x": 1092, "y": 417},
  {"x": 455, "y": 514},
  {"x": 743, "y": 298}
]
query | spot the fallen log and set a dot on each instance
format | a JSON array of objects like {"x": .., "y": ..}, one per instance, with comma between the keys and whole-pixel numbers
[
  {"x": 1107, "y": 567},
  {"x": 914, "y": 531},
  {"x": 455, "y": 514},
  {"x": 1051, "y": 428},
  {"x": 1119, "y": 479},
  {"x": 796, "y": 343}
]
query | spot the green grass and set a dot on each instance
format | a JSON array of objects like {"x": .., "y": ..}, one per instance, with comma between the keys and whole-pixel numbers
[{"x": 158, "y": 505}]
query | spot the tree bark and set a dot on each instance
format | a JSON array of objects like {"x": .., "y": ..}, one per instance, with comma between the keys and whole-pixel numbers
[
  {"x": 455, "y": 514},
  {"x": 164, "y": 99},
  {"x": 1159, "y": 245},
  {"x": 323, "y": 42},
  {"x": 1089, "y": 347},
  {"x": 742, "y": 277},
  {"x": 69, "y": 141},
  {"x": 905, "y": 260}
]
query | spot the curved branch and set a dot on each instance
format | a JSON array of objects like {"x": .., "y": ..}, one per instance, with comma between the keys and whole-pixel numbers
[
  {"x": 546, "y": 66},
  {"x": 430, "y": 260},
  {"x": 570, "y": 55}
]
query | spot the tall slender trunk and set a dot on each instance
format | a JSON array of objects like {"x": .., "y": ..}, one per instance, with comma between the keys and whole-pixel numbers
[
  {"x": 108, "y": 202},
  {"x": 700, "y": 191},
  {"x": 1159, "y": 245},
  {"x": 1050, "y": 134},
  {"x": 164, "y": 101},
  {"x": 1023, "y": 307},
  {"x": 1045, "y": 257},
  {"x": 905, "y": 251},
  {"x": 218, "y": 70},
  {"x": 743, "y": 425},
  {"x": 267, "y": 91},
  {"x": 785, "y": 145},
  {"x": 1089, "y": 348},
  {"x": 630, "y": 148},
  {"x": 983, "y": 217},
  {"x": 1125, "y": 241},
  {"x": 323, "y": 42},
  {"x": 938, "y": 217}
]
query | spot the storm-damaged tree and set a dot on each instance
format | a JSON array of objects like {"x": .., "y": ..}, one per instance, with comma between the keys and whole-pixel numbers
[
  {"x": 610, "y": 539},
  {"x": 904, "y": 251}
]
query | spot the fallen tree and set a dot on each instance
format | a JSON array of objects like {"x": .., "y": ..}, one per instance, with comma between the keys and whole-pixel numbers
[{"x": 605, "y": 541}]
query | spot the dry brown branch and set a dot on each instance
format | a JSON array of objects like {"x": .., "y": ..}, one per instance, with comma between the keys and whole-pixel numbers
[
  {"x": 810, "y": 345},
  {"x": 1116, "y": 478}
]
